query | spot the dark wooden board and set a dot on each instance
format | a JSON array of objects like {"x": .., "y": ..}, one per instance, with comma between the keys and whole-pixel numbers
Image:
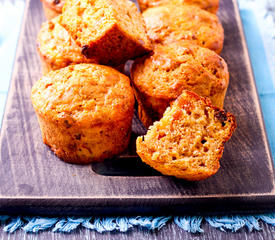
[{"x": 34, "y": 181}]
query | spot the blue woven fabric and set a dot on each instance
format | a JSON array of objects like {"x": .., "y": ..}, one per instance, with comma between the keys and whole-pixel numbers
[
  {"x": 263, "y": 63},
  {"x": 189, "y": 224},
  {"x": 192, "y": 224},
  {"x": 234, "y": 223},
  {"x": 66, "y": 225}
]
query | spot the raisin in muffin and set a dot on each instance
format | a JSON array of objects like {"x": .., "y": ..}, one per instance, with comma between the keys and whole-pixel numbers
[
  {"x": 188, "y": 141},
  {"x": 84, "y": 111},
  {"x": 208, "y": 5},
  {"x": 111, "y": 31},
  {"x": 161, "y": 77},
  {"x": 56, "y": 48},
  {"x": 52, "y": 8},
  {"x": 174, "y": 22}
]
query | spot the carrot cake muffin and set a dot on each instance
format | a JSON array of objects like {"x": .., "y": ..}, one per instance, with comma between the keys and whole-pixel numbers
[
  {"x": 208, "y": 5},
  {"x": 176, "y": 22},
  {"x": 188, "y": 141},
  {"x": 56, "y": 48},
  {"x": 160, "y": 78},
  {"x": 111, "y": 31},
  {"x": 52, "y": 8},
  {"x": 84, "y": 112}
]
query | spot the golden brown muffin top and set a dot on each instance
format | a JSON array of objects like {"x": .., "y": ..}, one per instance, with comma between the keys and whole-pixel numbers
[
  {"x": 56, "y": 5},
  {"x": 208, "y": 5},
  {"x": 179, "y": 66},
  {"x": 88, "y": 20},
  {"x": 57, "y": 47},
  {"x": 189, "y": 140},
  {"x": 185, "y": 23},
  {"x": 84, "y": 94}
]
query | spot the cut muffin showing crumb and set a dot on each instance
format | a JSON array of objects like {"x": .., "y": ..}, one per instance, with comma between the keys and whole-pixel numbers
[
  {"x": 111, "y": 31},
  {"x": 52, "y": 8},
  {"x": 56, "y": 48},
  {"x": 84, "y": 111},
  {"x": 188, "y": 141},
  {"x": 161, "y": 77},
  {"x": 208, "y": 5},
  {"x": 186, "y": 23}
]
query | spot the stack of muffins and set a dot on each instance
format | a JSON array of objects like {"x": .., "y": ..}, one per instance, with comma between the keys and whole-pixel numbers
[{"x": 85, "y": 105}]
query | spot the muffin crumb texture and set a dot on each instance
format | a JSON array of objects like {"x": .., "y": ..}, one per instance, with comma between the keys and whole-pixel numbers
[{"x": 188, "y": 141}]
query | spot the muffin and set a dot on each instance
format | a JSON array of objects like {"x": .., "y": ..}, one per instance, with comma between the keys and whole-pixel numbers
[
  {"x": 111, "y": 31},
  {"x": 56, "y": 48},
  {"x": 208, "y": 5},
  {"x": 52, "y": 8},
  {"x": 188, "y": 141},
  {"x": 186, "y": 23},
  {"x": 161, "y": 77},
  {"x": 84, "y": 112}
]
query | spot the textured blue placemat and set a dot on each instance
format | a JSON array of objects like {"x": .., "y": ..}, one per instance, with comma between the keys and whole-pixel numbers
[{"x": 261, "y": 44}]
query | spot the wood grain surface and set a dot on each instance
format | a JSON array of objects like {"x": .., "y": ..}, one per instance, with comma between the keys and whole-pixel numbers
[{"x": 35, "y": 181}]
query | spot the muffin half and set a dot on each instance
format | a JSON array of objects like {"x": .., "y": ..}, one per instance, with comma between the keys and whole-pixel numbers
[
  {"x": 188, "y": 141},
  {"x": 56, "y": 48},
  {"x": 111, "y": 31},
  {"x": 177, "y": 22},
  {"x": 52, "y": 8},
  {"x": 208, "y": 5},
  {"x": 161, "y": 77},
  {"x": 84, "y": 111}
]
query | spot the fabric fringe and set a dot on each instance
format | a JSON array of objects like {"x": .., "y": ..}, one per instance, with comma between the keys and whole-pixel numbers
[
  {"x": 234, "y": 223},
  {"x": 190, "y": 224}
]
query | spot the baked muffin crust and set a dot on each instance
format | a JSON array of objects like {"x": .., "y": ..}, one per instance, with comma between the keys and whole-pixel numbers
[
  {"x": 84, "y": 111},
  {"x": 111, "y": 31},
  {"x": 52, "y": 8},
  {"x": 186, "y": 23},
  {"x": 208, "y": 5},
  {"x": 188, "y": 141},
  {"x": 56, "y": 47},
  {"x": 161, "y": 77}
]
